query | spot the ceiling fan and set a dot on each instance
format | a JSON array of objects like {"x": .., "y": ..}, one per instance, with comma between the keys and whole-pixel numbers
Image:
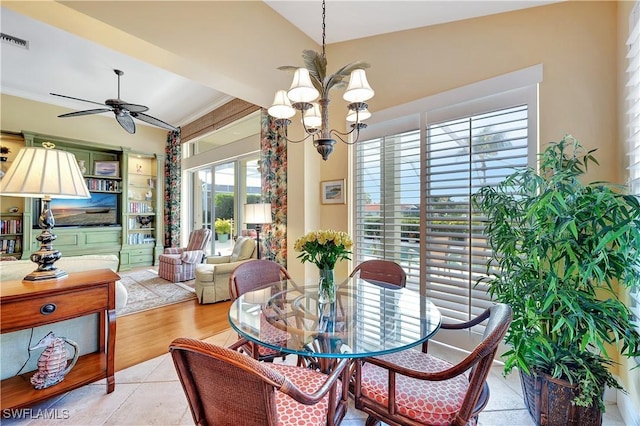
[{"x": 123, "y": 111}]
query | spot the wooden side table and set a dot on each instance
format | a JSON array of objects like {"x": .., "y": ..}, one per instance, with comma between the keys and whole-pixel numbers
[{"x": 27, "y": 304}]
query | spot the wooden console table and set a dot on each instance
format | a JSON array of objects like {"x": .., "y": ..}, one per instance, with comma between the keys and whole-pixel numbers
[{"x": 27, "y": 304}]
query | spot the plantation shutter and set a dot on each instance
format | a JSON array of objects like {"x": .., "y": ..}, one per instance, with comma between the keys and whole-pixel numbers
[
  {"x": 633, "y": 125},
  {"x": 387, "y": 202},
  {"x": 633, "y": 100},
  {"x": 414, "y": 173},
  {"x": 463, "y": 155}
]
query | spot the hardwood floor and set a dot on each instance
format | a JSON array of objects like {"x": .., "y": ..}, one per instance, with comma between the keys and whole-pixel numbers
[{"x": 146, "y": 335}]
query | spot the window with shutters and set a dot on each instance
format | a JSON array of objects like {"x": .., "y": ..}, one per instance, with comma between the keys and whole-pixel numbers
[
  {"x": 413, "y": 186},
  {"x": 633, "y": 123},
  {"x": 463, "y": 155}
]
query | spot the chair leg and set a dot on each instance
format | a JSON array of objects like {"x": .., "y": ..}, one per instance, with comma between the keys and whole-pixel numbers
[{"x": 372, "y": 421}]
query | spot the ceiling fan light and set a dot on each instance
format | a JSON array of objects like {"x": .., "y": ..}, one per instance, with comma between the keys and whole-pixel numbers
[
  {"x": 358, "y": 89},
  {"x": 281, "y": 107},
  {"x": 302, "y": 89},
  {"x": 311, "y": 117},
  {"x": 358, "y": 116}
]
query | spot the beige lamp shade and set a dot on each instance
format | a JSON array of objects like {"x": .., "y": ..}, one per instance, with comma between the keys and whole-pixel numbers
[
  {"x": 41, "y": 172},
  {"x": 358, "y": 89},
  {"x": 281, "y": 107},
  {"x": 302, "y": 89},
  {"x": 358, "y": 116},
  {"x": 311, "y": 117},
  {"x": 257, "y": 213},
  {"x": 45, "y": 173}
]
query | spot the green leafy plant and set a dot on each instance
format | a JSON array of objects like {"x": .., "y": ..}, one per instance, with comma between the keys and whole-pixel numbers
[
  {"x": 222, "y": 226},
  {"x": 559, "y": 248}
]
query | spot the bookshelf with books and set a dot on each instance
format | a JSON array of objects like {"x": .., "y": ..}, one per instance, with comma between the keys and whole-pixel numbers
[
  {"x": 12, "y": 214},
  {"x": 142, "y": 230},
  {"x": 124, "y": 214},
  {"x": 11, "y": 234},
  {"x": 82, "y": 226}
]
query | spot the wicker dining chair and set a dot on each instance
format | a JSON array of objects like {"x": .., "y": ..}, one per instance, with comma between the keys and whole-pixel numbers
[
  {"x": 412, "y": 387},
  {"x": 381, "y": 271},
  {"x": 253, "y": 275},
  {"x": 224, "y": 387}
]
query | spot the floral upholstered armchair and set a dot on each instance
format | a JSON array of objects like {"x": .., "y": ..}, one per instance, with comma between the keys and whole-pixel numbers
[{"x": 179, "y": 264}]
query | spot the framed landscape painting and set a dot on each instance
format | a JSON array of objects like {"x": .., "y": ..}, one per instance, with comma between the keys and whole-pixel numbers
[
  {"x": 332, "y": 192},
  {"x": 106, "y": 168}
]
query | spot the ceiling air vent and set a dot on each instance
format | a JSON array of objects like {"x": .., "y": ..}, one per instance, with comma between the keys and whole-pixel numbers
[{"x": 15, "y": 41}]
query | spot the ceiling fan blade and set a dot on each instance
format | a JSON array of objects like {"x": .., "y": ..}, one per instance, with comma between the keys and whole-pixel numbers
[
  {"x": 125, "y": 121},
  {"x": 77, "y": 99},
  {"x": 152, "y": 120},
  {"x": 85, "y": 112}
]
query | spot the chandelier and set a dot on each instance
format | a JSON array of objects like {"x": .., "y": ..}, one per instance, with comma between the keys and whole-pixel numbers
[{"x": 312, "y": 82}]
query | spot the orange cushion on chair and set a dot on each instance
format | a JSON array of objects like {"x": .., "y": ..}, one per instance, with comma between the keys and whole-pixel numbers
[
  {"x": 428, "y": 402},
  {"x": 272, "y": 335},
  {"x": 290, "y": 411}
]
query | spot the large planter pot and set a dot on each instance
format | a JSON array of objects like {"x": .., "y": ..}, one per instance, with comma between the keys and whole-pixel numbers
[
  {"x": 223, "y": 238},
  {"x": 549, "y": 402}
]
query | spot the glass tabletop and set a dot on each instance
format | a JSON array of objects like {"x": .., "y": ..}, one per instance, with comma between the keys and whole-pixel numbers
[{"x": 367, "y": 318}]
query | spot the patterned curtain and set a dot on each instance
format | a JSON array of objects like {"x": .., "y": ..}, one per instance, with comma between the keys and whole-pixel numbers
[
  {"x": 273, "y": 167},
  {"x": 172, "y": 189}
]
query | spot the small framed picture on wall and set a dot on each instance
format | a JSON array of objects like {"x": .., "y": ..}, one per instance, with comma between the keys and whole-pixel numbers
[{"x": 332, "y": 192}]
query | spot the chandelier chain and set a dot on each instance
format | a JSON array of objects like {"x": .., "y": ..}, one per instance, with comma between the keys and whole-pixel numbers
[
  {"x": 323, "y": 28},
  {"x": 309, "y": 83}
]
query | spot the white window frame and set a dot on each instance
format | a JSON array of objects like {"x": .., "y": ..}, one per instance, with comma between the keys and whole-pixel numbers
[
  {"x": 508, "y": 90},
  {"x": 632, "y": 121}
]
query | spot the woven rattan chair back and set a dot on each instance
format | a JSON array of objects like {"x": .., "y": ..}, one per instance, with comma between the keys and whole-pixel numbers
[
  {"x": 382, "y": 271},
  {"x": 224, "y": 387},
  {"x": 427, "y": 376},
  {"x": 253, "y": 275}
]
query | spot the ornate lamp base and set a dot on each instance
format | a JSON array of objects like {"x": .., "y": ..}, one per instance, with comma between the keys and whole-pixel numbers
[{"x": 47, "y": 255}]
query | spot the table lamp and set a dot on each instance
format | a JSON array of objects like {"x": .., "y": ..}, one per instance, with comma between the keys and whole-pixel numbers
[
  {"x": 258, "y": 214},
  {"x": 45, "y": 173}
]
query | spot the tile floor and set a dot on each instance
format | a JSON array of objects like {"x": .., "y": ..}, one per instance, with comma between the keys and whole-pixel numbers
[{"x": 150, "y": 394}]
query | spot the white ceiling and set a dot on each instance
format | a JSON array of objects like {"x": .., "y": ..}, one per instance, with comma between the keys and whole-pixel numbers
[{"x": 62, "y": 63}]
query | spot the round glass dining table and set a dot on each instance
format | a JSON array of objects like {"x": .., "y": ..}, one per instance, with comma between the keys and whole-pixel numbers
[{"x": 367, "y": 318}]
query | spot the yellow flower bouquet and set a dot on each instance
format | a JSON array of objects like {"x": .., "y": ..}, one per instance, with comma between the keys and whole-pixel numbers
[{"x": 324, "y": 248}]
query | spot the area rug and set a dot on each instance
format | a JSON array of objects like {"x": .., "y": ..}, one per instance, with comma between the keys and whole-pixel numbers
[{"x": 146, "y": 290}]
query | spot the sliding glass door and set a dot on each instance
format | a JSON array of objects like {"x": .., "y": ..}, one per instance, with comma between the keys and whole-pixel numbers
[{"x": 219, "y": 193}]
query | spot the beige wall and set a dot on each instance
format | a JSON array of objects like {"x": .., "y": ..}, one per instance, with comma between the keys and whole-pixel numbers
[{"x": 235, "y": 47}]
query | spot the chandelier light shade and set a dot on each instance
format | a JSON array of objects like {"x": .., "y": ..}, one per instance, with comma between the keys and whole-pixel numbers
[
  {"x": 45, "y": 173},
  {"x": 257, "y": 214},
  {"x": 309, "y": 94}
]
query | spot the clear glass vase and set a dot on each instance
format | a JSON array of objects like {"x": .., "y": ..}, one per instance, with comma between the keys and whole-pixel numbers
[{"x": 327, "y": 286}]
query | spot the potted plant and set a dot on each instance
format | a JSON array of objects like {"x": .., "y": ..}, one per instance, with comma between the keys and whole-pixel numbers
[
  {"x": 561, "y": 249},
  {"x": 223, "y": 228}
]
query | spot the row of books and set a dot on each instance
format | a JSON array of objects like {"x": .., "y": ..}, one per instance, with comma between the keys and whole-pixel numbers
[
  {"x": 103, "y": 185},
  {"x": 11, "y": 226},
  {"x": 11, "y": 245},
  {"x": 139, "y": 207},
  {"x": 141, "y": 239}
]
